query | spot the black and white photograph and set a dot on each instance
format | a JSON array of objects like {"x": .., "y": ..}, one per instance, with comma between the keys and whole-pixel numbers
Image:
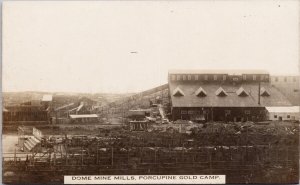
[{"x": 150, "y": 92}]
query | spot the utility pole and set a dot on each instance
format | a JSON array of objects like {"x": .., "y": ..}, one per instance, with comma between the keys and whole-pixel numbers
[{"x": 259, "y": 92}]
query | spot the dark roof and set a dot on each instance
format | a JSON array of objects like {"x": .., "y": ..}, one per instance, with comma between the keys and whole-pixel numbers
[
  {"x": 32, "y": 102},
  {"x": 231, "y": 100}
]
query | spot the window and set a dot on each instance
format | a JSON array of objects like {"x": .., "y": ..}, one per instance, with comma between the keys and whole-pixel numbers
[
  {"x": 190, "y": 112},
  {"x": 189, "y": 77},
  {"x": 262, "y": 77},
  {"x": 294, "y": 79},
  {"x": 247, "y": 111},
  {"x": 288, "y": 116},
  {"x": 178, "y": 77},
  {"x": 267, "y": 77},
  {"x": 173, "y": 77},
  {"x": 244, "y": 77},
  {"x": 184, "y": 77},
  {"x": 227, "y": 111},
  {"x": 254, "y": 77},
  {"x": 296, "y": 90},
  {"x": 275, "y": 116},
  {"x": 183, "y": 112},
  {"x": 262, "y": 112},
  {"x": 205, "y": 77},
  {"x": 224, "y": 77},
  {"x": 215, "y": 77},
  {"x": 235, "y": 79},
  {"x": 276, "y": 79},
  {"x": 285, "y": 79},
  {"x": 196, "y": 77},
  {"x": 205, "y": 111}
]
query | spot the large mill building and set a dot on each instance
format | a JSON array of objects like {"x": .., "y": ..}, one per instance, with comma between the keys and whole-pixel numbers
[{"x": 206, "y": 95}]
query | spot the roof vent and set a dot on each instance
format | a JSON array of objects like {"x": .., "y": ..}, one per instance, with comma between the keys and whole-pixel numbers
[
  {"x": 178, "y": 92},
  {"x": 241, "y": 92},
  {"x": 200, "y": 92},
  {"x": 221, "y": 92},
  {"x": 264, "y": 92}
]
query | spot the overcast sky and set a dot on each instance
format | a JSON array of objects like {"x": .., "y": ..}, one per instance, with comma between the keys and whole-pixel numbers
[{"x": 101, "y": 46}]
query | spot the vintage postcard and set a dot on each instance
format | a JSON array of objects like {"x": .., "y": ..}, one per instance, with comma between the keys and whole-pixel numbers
[{"x": 150, "y": 92}]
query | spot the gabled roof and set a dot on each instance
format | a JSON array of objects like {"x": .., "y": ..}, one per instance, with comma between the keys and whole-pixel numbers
[
  {"x": 200, "y": 92},
  {"x": 241, "y": 92},
  {"x": 221, "y": 92},
  {"x": 264, "y": 92},
  {"x": 178, "y": 92}
]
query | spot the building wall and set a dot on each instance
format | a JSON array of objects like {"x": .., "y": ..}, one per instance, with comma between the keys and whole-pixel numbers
[
  {"x": 219, "y": 113},
  {"x": 25, "y": 116},
  {"x": 289, "y": 86},
  {"x": 283, "y": 116}
]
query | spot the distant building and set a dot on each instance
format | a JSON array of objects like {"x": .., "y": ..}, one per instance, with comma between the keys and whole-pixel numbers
[
  {"x": 139, "y": 114},
  {"x": 206, "y": 95},
  {"x": 289, "y": 86},
  {"x": 84, "y": 118},
  {"x": 47, "y": 98},
  {"x": 24, "y": 113}
]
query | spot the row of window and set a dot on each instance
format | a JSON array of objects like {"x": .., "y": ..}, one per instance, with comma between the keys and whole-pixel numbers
[
  {"x": 285, "y": 79},
  {"x": 215, "y": 77},
  {"x": 287, "y": 116}
]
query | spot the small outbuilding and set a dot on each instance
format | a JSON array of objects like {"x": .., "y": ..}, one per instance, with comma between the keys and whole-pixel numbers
[{"x": 284, "y": 113}]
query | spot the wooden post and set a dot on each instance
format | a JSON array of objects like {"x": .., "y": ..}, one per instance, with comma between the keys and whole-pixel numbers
[
  {"x": 212, "y": 114},
  {"x": 49, "y": 158},
  {"x": 193, "y": 160},
  {"x": 230, "y": 153},
  {"x": 287, "y": 156},
  {"x": 15, "y": 157},
  {"x": 81, "y": 156},
  {"x": 32, "y": 159},
  {"x": 97, "y": 155},
  {"x": 247, "y": 144},
  {"x": 155, "y": 156},
  {"x": 61, "y": 153},
  {"x": 210, "y": 165},
  {"x": 182, "y": 153},
  {"x": 141, "y": 154},
  {"x": 66, "y": 154},
  {"x": 112, "y": 156},
  {"x": 276, "y": 154},
  {"x": 54, "y": 159}
]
